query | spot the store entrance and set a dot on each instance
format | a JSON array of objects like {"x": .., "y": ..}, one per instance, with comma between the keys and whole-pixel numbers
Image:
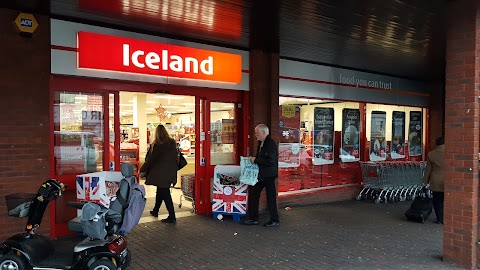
[
  {"x": 138, "y": 116},
  {"x": 205, "y": 131},
  {"x": 97, "y": 125}
]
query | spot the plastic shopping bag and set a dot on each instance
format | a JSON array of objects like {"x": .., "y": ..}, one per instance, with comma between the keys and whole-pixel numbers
[{"x": 248, "y": 171}]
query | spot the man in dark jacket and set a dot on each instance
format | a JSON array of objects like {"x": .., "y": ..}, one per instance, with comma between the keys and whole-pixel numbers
[{"x": 267, "y": 160}]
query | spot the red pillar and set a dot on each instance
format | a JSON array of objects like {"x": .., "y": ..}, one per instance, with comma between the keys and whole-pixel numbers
[{"x": 462, "y": 133}]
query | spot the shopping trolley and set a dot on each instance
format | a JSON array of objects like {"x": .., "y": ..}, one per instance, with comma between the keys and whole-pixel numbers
[
  {"x": 188, "y": 190},
  {"x": 391, "y": 181}
]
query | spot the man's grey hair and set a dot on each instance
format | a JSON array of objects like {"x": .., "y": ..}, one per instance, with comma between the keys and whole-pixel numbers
[{"x": 263, "y": 128}]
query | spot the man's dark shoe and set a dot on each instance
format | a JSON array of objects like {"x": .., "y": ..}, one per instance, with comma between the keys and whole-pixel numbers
[
  {"x": 272, "y": 224},
  {"x": 439, "y": 222},
  {"x": 169, "y": 220},
  {"x": 250, "y": 222},
  {"x": 153, "y": 213}
]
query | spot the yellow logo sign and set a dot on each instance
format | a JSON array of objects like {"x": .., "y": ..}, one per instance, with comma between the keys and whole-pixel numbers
[
  {"x": 26, "y": 23},
  {"x": 288, "y": 111}
]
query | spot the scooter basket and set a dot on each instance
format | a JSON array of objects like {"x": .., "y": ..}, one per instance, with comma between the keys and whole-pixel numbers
[{"x": 14, "y": 200}]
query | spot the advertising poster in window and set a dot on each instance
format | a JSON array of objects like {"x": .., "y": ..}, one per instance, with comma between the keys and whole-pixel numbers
[
  {"x": 323, "y": 136},
  {"x": 229, "y": 130},
  {"x": 378, "y": 142},
  {"x": 398, "y": 135},
  {"x": 349, "y": 150},
  {"x": 415, "y": 134},
  {"x": 289, "y": 155},
  {"x": 289, "y": 124}
]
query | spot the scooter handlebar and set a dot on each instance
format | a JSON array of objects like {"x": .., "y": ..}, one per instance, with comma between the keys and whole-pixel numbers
[{"x": 77, "y": 205}]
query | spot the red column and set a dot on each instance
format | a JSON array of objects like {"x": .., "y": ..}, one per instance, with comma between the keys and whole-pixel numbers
[{"x": 462, "y": 133}]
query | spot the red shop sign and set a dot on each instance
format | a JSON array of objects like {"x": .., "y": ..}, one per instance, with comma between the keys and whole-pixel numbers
[{"x": 112, "y": 53}]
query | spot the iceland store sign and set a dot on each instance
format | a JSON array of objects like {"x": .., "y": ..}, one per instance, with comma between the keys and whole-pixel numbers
[{"x": 112, "y": 53}]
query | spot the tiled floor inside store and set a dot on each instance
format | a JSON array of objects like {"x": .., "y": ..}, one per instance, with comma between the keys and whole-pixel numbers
[{"x": 176, "y": 194}]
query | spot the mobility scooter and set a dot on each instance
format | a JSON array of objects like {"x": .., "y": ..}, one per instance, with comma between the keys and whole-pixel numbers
[{"x": 30, "y": 250}]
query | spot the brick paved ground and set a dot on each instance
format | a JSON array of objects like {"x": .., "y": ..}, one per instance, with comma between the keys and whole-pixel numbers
[{"x": 342, "y": 235}]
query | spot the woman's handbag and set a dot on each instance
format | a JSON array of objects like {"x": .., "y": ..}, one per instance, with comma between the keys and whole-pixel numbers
[
  {"x": 143, "y": 175},
  {"x": 182, "y": 162}
]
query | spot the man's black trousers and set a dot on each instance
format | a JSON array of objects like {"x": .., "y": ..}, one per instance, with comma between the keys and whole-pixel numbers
[{"x": 254, "y": 199}]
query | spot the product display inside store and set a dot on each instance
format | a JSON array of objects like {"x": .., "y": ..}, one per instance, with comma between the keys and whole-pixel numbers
[{"x": 322, "y": 141}]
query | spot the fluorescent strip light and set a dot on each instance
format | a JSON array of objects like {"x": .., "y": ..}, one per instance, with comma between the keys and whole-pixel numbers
[
  {"x": 172, "y": 106},
  {"x": 169, "y": 97}
]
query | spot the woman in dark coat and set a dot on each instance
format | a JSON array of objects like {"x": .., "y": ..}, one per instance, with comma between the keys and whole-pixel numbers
[{"x": 161, "y": 169}]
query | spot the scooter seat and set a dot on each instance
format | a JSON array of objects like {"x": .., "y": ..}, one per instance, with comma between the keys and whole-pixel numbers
[{"x": 75, "y": 225}]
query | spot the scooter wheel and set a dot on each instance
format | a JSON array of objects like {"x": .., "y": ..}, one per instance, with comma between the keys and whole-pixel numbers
[
  {"x": 13, "y": 262},
  {"x": 128, "y": 258},
  {"x": 102, "y": 264}
]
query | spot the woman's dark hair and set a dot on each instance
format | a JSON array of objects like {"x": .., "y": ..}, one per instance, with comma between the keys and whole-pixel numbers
[{"x": 161, "y": 135}]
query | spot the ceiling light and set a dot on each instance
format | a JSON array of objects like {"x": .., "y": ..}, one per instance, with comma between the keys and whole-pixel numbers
[
  {"x": 172, "y": 106},
  {"x": 170, "y": 97}
]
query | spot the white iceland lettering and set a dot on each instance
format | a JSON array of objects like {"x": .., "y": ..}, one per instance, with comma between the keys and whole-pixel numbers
[
  {"x": 207, "y": 66},
  {"x": 176, "y": 64},
  {"x": 168, "y": 62},
  {"x": 191, "y": 62},
  {"x": 151, "y": 59}
]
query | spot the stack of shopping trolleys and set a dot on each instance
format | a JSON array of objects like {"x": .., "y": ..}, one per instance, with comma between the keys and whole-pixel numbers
[{"x": 391, "y": 181}]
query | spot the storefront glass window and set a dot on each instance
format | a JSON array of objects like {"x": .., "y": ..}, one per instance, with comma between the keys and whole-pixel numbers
[
  {"x": 78, "y": 133},
  {"x": 395, "y": 132},
  {"x": 321, "y": 142},
  {"x": 314, "y": 140},
  {"x": 223, "y": 137}
]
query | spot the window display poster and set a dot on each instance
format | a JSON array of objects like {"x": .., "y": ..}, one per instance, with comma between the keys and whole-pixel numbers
[
  {"x": 289, "y": 155},
  {"x": 289, "y": 124},
  {"x": 229, "y": 130},
  {"x": 415, "y": 134},
  {"x": 398, "y": 135},
  {"x": 349, "y": 150},
  {"x": 378, "y": 144},
  {"x": 323, "y": 129}
]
